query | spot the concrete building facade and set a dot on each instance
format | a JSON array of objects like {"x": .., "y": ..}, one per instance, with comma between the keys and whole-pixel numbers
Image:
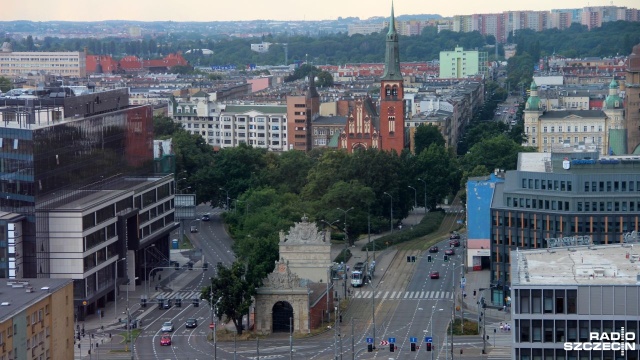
[
  {"x": 64, "y": 64},
  {"x": 462, "y": 63},
  {"x": 561, "y": 294}
]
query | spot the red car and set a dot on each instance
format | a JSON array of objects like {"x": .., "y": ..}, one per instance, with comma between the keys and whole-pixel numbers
[
  {"x": 455, "y": 243},
  {"x": 165, "y": 340},
  {"x": 433, "y": 249},
  {"x": 434, "y": 275},
  {"x": 449, "y": 252}
]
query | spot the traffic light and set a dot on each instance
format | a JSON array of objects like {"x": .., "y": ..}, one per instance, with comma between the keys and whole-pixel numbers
[
  {"x": 143, "y": 302},
  {"x": 205, "y": 266},
  {"x": 413, "y": 346},
  {"x": 176, "y": 265},
  {"x": 446, "y": 258},
  {"x": 369, "y": 347},
  {"x": 408, "y": 258},
  {"x": 392, "y": 347},
  {"x": 413, "y": 259},
  {"x": 428, "y": 346},
  {"x": 429, "y": 258}
]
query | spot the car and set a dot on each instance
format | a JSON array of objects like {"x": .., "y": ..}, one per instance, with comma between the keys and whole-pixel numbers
[
  {"x": 194, "y": 229},
  {"x": 165, "y": 340},
  {"x": 166, "y": 304},
  {"x": 191, "y": 323},
  {"x": 433, "y": 249},
  {"x": 454, "y": 243},
  {"x": 167, "y": 327},
  {"x": 206, "y": 217},
  {"x": 449, "y": 252},
  {"x": 454, "y": 236},
  {"x": 434, "y": 275}
]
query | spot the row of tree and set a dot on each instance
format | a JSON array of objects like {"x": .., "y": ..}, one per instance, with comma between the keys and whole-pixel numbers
[{"x": 268, "y": 192}]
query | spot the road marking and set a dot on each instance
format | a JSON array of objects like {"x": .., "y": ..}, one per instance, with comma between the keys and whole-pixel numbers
[
  {"x": 411, "y": 296},
  {"x": 393, "y": 295},
  {"x": 430, "y": 295},
  {"x": 385, "y": 295},
  {"x": 406, "y": 295},
  {"x": 437, "y": 295},
  {"x": 366, "y": 294},
  {"x": 422, "y": 295}
]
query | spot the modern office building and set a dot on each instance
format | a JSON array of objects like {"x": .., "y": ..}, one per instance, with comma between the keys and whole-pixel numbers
[
  {"x": 78, "y": 194},
  {"x": 65, "y": 64},
  {"x": 462, "y": 63},
  {"x": 563, "y": 293},
  {"x": 302, "y": 110},
  {"x": 557, "y": 195},
  {"x": 36, "y": 319}
]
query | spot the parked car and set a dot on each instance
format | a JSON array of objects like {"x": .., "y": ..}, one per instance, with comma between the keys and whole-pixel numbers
[
  {"x": 434, "y": 275},
  {"x": 449, "y": 252},
  {"x": 167, "y": 326},
  {"x": 433, "y": 249},
  {"x": 165, "y": 340},
  {"x": 191, "y": 323}
]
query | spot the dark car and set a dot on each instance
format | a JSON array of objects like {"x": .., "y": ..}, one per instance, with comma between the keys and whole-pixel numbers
[
  {"x": 191, "y": 323},
  {"x": 206, "y": 217},
  {"x": 433, "y": 249},
  {"x": 454, "y": 236},
  {"x": 454, "y": 243},
  {"x": 449, "y": 252},
  {"x": 434, "y": 275}
]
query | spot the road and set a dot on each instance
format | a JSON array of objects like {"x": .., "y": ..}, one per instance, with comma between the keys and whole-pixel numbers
[{"x": 408, "y": 304}]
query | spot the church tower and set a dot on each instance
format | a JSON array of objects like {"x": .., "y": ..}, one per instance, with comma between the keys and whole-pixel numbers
[{"x": 392, "y": 94}]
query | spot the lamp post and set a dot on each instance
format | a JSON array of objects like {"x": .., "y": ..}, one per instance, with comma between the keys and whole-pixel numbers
[
  {"x": 373, "y": 311},
  {"x": 145, "y": 259},
  {"x": 391, "y": 212},
  {"x": 227, "y": 202},
  {"x": 346, "y": 246},
  {"x": 425, "y": 195},
  {"x": 213, "y": 322},
  {"x": 115, "y": 288},
  {"x": 183, "y": 189},
  {"x": 433, "y": 310},
  {"x": 415, "y": 196}
]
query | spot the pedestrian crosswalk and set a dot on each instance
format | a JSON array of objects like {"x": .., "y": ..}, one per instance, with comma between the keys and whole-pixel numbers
[
  {"x": 185, "y": 295},
  {"x": 500, "y": 352},
  {"x": 404, "y": 295}
]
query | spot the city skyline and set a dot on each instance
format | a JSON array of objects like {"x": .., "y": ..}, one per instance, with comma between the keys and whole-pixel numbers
[{"x": 244, "y": 10}]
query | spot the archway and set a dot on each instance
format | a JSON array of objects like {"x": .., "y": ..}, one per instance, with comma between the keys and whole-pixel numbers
[{"x": 282, "y": 317}]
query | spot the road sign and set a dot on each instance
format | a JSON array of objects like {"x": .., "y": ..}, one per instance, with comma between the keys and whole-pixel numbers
[
  {"x": 369, "y": 340},
  {"x": 413, "y": 340},
  {"x": 211, "y": 326},
  {"x": 384, "y": 343},
  {"x": 428, "y": 339},
  {"x": 463, "y": 281},
  {"x": 392, "y": 340}
]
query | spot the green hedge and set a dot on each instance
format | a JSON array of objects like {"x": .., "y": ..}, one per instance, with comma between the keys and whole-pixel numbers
[
  {"x": 341, "y": 257},
  {"x": 429, "y": 224}
]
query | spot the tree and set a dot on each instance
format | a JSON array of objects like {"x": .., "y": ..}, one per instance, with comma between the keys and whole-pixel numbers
[
  {"x": 165, "y": 126},
  {"x": 498, "y": 152},
  {"x": 233, "y": 291},
  {"x": 5, "y": 84},
  {"x": 426, "y": 135},
  {"x": 324, "y": 79},
  {"x": 439, "y": 168}
]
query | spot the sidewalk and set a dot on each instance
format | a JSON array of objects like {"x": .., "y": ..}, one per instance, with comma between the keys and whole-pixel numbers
[{"x": 107, "y": 328}]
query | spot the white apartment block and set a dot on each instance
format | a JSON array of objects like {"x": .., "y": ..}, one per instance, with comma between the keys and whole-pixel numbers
[
  {"x": 227, "y": 125},
  {"x": 364, "y": 29},
  {"x": 67, "y": 64}
]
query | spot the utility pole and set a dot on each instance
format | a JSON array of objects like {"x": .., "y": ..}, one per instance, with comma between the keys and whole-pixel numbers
[
  {"x": 453, "y": 306},
  {"x": 290, "y": 338},
  {"x": 353, "y": 345}
]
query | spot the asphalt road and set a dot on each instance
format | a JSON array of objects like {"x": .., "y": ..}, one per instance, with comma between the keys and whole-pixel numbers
[{"x": 407, "y": 305}]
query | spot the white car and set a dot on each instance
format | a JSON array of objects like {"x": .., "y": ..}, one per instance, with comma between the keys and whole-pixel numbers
[{"x": 167, "y": 326}]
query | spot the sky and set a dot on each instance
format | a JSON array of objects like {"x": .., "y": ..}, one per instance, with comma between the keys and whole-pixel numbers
[{"x": 234, "y": 10}]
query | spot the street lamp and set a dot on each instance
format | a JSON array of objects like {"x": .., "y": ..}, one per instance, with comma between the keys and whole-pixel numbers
[
  {"x": 213, "y": 322},
  {"x": 346, "y": 245},
  {"x": 115, "y": 288},
  {"x": 391, "y": 213},
  {"x": 227, "y": 202},
  {"x": 415, "y": 196},
  {"x": 433, "y": 310},
  {"x": 183, "y": 190},
  {"x": 425, "y": 195},
  {"x": 145, "y": 259},
  {"x": 373, "y": 311}
]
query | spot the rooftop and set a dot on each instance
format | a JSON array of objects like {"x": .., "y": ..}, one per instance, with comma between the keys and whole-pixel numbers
[
  {"x": 16, "y": 295},
  {"x": 614, "y": 264}
]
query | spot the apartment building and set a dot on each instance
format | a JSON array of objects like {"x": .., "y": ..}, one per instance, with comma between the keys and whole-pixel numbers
[
  {"x": 64, "y": 64},
  {"x": 37, "y": 319},
  {"x": 632, "y": 104},
  {"x": 228, "y": 125},
  {"x": 462, "y": 63}
]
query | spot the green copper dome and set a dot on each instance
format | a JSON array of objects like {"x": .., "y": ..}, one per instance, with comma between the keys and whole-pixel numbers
[
  {"x": 533, "y": 87},
  {"x": 613, "y": 100},
  {"x": 533, "y": 102},
  {"x": 613, "y": 84}
]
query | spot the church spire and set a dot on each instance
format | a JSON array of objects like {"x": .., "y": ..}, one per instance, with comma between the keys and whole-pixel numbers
[{"x": 392, "y": 57}]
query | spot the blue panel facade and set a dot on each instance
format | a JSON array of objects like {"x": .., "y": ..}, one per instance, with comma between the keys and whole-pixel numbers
[{"x": 479, "y": 196}]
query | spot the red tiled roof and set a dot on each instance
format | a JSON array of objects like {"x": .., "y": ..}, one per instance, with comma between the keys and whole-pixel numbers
[{"x": 108, "y": 64}]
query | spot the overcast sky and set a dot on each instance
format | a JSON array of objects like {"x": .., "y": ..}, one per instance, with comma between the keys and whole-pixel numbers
[{"x": 220, "y": 10}]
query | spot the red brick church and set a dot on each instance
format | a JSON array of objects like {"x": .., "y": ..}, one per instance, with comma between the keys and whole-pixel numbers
[{"x": 365, "y": 128}]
